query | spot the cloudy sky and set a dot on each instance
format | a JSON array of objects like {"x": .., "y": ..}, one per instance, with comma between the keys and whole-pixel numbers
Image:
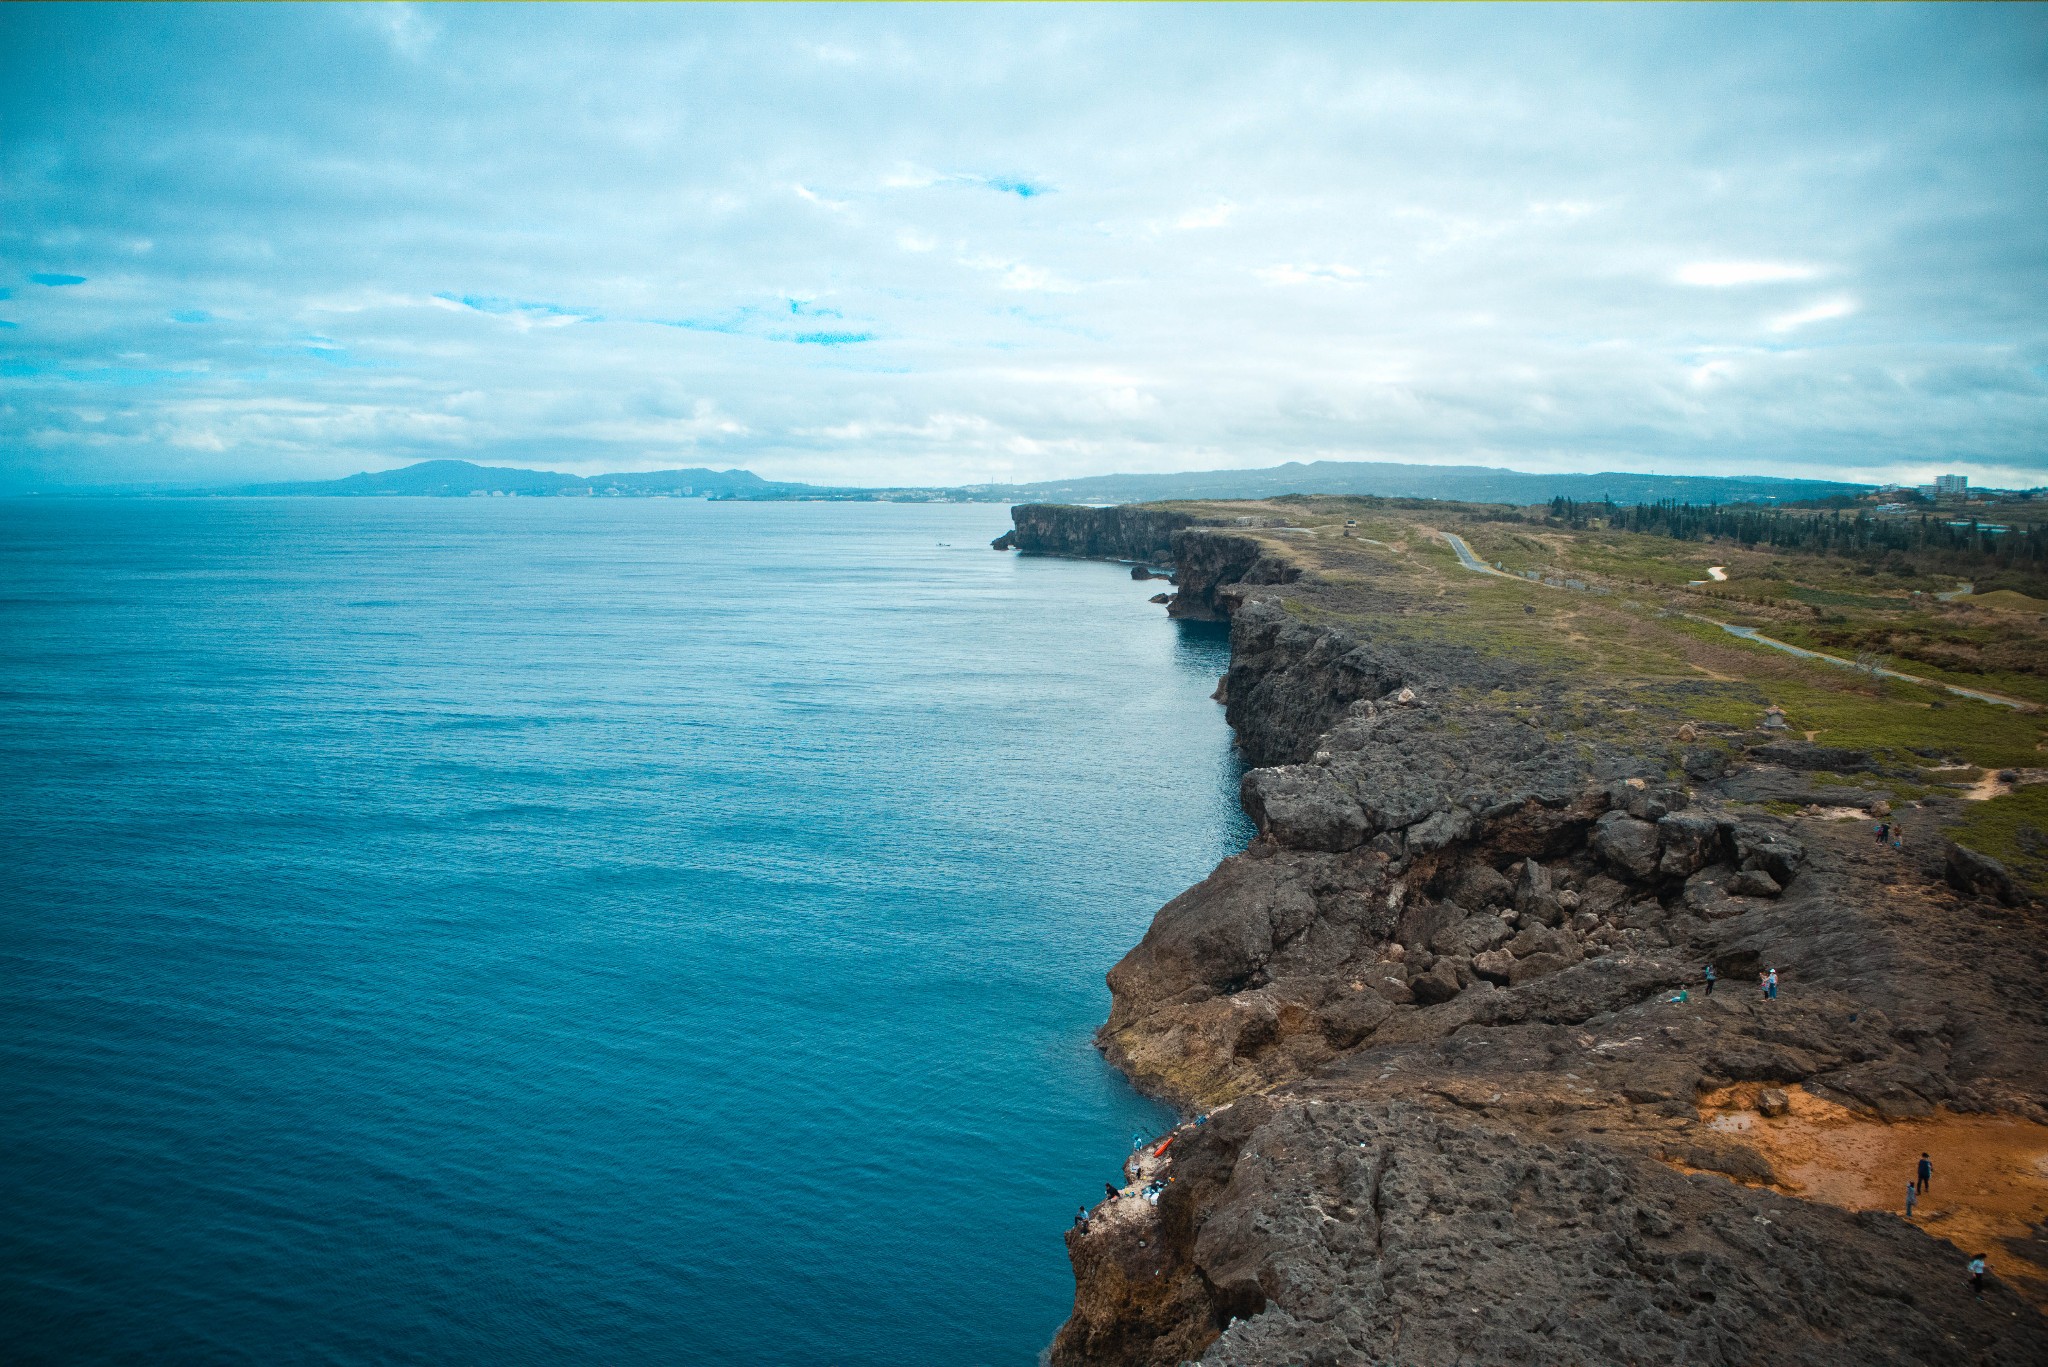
[{"x": 897, "y": 244}]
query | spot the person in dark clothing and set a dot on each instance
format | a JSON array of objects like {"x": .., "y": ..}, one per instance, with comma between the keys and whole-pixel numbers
[
  {"x": 1110, "y": 1187},
  {"x": 1712, "y": 978},
  {"x": 1925, "y": 1173}
]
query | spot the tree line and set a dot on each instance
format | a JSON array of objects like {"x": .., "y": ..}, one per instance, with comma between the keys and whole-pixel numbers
[{"x": 1857, "y": 535}]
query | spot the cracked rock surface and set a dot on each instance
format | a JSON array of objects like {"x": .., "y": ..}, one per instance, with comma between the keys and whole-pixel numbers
[{"x": 1450, "y": 1095}]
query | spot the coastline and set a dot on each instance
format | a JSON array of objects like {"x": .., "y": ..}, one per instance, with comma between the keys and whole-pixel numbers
[{"x": 1452, "y": 1112}]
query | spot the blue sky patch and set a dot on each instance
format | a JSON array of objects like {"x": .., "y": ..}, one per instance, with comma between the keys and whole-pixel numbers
[
  {"x": 191, "y": 316},
  {"x": 1023, "y": 189},
  {"x": 832, "y": 338},
  {"x": 54, "y": 280}
]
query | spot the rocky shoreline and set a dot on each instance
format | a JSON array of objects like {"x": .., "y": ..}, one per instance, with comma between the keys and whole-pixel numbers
[{"x": 1450, "y": 1110}]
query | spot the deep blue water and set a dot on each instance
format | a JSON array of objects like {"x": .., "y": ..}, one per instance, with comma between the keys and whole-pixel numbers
[{"x": 566, "y": 931}]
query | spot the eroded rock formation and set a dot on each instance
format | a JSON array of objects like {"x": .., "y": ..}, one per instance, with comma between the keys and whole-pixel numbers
[{"x": 1429, "y": 1017}]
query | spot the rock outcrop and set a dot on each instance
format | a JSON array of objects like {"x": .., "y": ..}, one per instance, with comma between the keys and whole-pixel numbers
[
  {"x": 1145, "y": 535},
  {"x": 1431, "y": 1019}
]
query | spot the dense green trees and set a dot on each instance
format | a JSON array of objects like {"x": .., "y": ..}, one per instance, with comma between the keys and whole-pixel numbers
[{"x": 1860, "y": 534}]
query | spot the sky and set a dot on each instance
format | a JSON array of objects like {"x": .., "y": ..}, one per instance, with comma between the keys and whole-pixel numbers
[{"x": 960, "y": 244}]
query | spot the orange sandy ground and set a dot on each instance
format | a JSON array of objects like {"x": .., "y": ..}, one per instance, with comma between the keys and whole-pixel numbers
[{"x": 1990, "y": 1188}]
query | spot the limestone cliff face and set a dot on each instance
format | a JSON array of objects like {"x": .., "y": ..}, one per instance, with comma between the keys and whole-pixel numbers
[
  {"x": 1449, "y": 1107},
  {"x": 1216, "y": 568},
  {"x": 1141, "y": 534}
]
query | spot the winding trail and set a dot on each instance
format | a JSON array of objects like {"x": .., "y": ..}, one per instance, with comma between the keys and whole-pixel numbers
[
  {"x": 1472, "y": 562},
  {"x": 1478, "y": 566}
]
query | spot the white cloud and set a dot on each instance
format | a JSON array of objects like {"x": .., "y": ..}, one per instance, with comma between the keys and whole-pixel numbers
[
  {"x": 1404, "y": 237},
  {"x": 403, "y": 25},
  {"x": 810, "y": 196},
  {"x": 1215, "y": 216},
  {"x": 1721, "y": 274},
  {"x": 1813, "y": 313},
  {"x": 1020, "y": 275},
  {"x": 1310, "y": 274}
]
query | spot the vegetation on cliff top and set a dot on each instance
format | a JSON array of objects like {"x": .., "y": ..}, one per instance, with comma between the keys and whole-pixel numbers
[{"x": 1612, "y": 624}]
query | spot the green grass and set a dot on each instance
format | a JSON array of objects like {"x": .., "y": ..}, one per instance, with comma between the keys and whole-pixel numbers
[{"x": 2012, "y": 829}]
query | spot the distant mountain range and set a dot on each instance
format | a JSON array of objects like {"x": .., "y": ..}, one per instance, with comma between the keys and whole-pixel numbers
[
  {"x": 1468, "y": 483},
  {"x": 458, "y": 478}
]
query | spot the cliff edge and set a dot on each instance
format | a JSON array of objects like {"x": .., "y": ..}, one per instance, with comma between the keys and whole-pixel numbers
[{"x": 1459, "y": 1090}]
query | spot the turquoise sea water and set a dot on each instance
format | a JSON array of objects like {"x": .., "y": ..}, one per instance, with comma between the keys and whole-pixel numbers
[{"x": 567, "y": 931}]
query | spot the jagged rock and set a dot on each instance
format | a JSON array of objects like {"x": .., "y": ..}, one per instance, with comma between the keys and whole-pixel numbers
[
  {"x": 1304, "y": 807},
  {"x": 1752, "y": 883},
  {"x": 1214, "y": 568},
  {"x": 1471, "y": 935},
  {"x": 1690, "y": 842},
  {"x": 1126, "y": 532},
  {"x": 1626, "y": 842},
  {"x": 1813, "y": 758},
  {"x": 1494, "y": 965},
  {"x": 1401, "y": 1144},
  {"x": 1768, "y": 849},
  {"x": 1772, "y": 1101},
  {"x": 1707, "y": 897},
  {"x": 1703, "y": 763},
  {"x": 1160, "y": 598},
  {"x": 1289, "y": 682},
  {"x": 1439, "y": 984},
  {"x": 1439, "y": 829},
  {"x": 1350, "y": 1016},
  {"x": 1688, "y": 733},
  {"x": 1536, "y": 966},
  {"x": 1536, "y": 940},
  {"x": 1978, "y": 874},
  {"x": 1482, "y": 886}
]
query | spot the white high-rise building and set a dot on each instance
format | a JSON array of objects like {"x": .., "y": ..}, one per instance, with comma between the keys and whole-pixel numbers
[{"x": 1951, "y": 486}]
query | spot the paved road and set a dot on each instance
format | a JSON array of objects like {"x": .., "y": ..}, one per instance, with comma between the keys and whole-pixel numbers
[
  {"x": 1752, "y": 634},
  {"x": 1478, "y": 566},
  {"x": 1472, "y": 562}
]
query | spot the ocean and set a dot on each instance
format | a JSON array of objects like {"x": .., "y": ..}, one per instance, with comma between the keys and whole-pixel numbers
[{"x": 569, "y": 930}]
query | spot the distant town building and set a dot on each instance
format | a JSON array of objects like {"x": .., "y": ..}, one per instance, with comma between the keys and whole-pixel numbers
[{"x": 1952, "y": 486}]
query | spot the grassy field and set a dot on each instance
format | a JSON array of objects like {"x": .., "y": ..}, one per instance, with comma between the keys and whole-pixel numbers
[{"x": 1625, "y": 656}]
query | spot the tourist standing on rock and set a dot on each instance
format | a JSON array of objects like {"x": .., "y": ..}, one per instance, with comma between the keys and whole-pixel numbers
[
  {"x": 1912, "y": 1195},
  {"x": 1771, "y": 985},
  {"x": 1763, "y": 982},
  {"x": 1712, "y": 978},
  {"x": 1925, "y": 1173},
  {"x": 1978, "y": 1267}
]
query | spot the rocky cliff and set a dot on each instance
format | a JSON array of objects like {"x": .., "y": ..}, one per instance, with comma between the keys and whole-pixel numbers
[
  {"x": 1144, "y": 535},
  {"x": 1451, "y": 1107}
]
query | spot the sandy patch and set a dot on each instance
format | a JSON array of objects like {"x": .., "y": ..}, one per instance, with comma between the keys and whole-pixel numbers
[{"x": 1990, "y": 1188}]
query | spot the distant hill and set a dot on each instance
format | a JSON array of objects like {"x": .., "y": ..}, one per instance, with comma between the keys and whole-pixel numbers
[
  {"x": 458, "y": 478},
  {"x": 1469, "y": 483}
]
